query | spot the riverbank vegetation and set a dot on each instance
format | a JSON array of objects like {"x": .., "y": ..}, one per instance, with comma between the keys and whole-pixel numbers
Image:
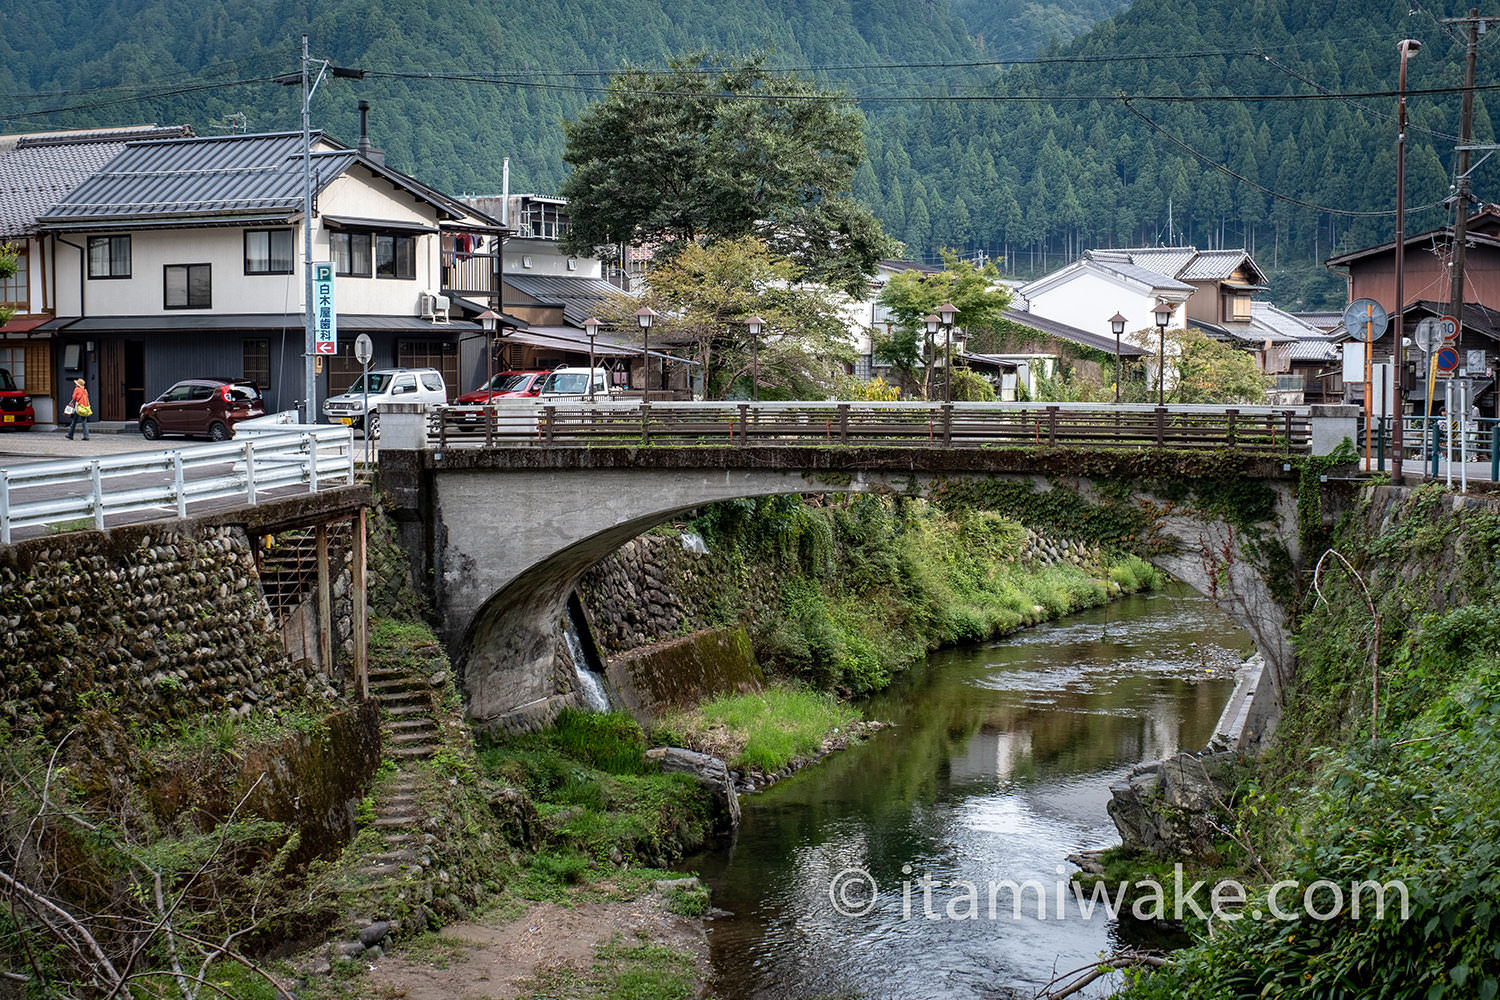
[
  {"x": 765, "y": 731},
  {"x": 845, "y": 595},
  {"x": 1382, "y": 771}
]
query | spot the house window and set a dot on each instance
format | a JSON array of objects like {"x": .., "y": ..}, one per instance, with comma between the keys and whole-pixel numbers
[
  {"x": 395, "y": 256},
  {"x": 257, "y": 362},
  {"x": 14, "y": 292},
  {"x": 351, "y": 254},
  {"x": 187, "y": 286},
  {"x": 1239, "y": 307},
  {"x": 109, "y": 256},
  {"x": 13, "y": 360},
  {"x": 268, "y": 251}
]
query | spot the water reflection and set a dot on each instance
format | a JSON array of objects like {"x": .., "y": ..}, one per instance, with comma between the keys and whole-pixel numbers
[{"x": 998, "y": 767}]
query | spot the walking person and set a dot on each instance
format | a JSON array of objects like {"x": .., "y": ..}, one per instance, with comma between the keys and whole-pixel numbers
[{"x": 79, "y": 408}]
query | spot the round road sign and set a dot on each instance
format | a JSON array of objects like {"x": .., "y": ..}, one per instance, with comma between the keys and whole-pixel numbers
[
  {"x": 364, "y": 349},
  {"x": 1447, "y": 360},
  {"x": 1429, "y": 334},
  {"x": 1365, "y": 319}
]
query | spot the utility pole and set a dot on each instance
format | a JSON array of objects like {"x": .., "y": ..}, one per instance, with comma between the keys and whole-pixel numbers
[{"x": 1461, "y": 195}]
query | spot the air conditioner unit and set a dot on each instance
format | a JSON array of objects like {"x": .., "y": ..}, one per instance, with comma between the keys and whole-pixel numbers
[{"x": 432, "y": 306}]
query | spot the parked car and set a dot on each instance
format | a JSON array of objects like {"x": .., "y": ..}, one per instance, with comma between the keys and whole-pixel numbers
[
  {"x": 15, "y": 404},
  {"x": 505, "y": 385},
  {"x": 575, "y": 382},
  {"x": 384, "y": 385},
  {"x": 202, "y": 407}
]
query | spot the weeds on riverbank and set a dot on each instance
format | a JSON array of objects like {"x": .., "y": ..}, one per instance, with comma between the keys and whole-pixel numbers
[
  {"x": 1339, "y": 801},
  {"x": 598, "y": 801},
  {"x": 847, "y": 595},
  {"x": 766, "y": 730}
]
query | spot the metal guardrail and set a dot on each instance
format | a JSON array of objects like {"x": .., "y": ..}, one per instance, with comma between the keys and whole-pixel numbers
[
  {"x": 1259, "y": 430},
  {"x": 1467, "y": 447},
  {"x": 267, "y": 455}
]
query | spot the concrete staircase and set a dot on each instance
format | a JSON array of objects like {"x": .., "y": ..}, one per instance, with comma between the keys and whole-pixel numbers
[{"x": 411, "y": 734}]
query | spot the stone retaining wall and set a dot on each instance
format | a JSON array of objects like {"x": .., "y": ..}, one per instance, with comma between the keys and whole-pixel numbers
[{"x": 157, "y": 624}]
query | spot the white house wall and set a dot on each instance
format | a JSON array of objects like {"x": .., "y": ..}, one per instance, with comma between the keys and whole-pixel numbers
[
  {"x": 1089, "y": 299},
  {"x": 223, "y": 248},
  {"x": 548, "y": 260}
]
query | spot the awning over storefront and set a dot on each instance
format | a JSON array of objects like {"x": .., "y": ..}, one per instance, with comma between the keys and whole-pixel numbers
[{"x": 570, "y": 338}]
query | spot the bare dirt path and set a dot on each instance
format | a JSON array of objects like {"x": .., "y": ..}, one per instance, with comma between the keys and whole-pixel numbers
[{"x": 494, "y": 960}]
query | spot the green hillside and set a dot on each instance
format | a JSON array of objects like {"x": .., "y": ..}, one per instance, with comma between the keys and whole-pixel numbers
[{"x": 1031, "y": 162}]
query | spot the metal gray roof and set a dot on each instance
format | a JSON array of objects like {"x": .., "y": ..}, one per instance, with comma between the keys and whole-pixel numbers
[
  {"x": 579, "y": 297},
  {"x": 40, "y": 169},
  {"x": 220, "y": 174}
]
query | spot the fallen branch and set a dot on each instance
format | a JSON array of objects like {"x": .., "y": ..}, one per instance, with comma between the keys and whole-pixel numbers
[{"x": 1129, "y": 959}]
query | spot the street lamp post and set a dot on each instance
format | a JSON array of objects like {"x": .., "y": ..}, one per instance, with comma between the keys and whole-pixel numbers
[
  {"x": 754, "y": 323},
  {"x": 488, "y": 319},
  {"x": 932, "y": 323},
  {"x": 1117, "y": 324},
  {"x": 1163, "y": 314},
  {"x": 1406, "y": 47},
  {"x": 644, "y": 315},
  {"x": 591, "y": 327},
  {"x": 946, "y": 313}
]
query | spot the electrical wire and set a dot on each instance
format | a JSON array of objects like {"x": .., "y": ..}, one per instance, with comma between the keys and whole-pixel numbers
[{"x": 1215, "y": 165}]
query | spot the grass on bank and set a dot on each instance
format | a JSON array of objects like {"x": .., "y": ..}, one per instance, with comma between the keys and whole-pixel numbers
[
  {"x": 766, "y": 730},
  {"x": 622, "y": 970},
  {"x": 598, "y": 801}
]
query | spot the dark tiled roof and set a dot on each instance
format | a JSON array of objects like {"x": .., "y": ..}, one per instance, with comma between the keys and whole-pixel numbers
[
  {"x": 41, "y": 169},
  {"x": 579, "y": 297}
]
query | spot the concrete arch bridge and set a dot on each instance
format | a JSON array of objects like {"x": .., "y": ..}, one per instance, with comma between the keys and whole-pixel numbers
[{"x": 503, "y": 534}]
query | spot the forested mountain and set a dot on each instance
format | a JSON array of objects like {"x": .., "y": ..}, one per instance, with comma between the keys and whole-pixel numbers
[{"x": 1033, "y": 162}]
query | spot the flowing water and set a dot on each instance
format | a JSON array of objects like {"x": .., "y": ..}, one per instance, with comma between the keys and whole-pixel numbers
[
  {"x": 999, "y": 766},
  {"x": 590, "y": 683}
]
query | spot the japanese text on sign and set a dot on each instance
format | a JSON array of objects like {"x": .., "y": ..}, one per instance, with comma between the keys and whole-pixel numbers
[{"x": 325, "y": 317}]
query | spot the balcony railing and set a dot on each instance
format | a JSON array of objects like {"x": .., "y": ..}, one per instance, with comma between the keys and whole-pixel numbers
[{"x": 469, "y": 273}]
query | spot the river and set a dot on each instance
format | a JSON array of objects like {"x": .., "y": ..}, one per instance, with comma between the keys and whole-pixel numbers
[{"x": 998, "y": 767}]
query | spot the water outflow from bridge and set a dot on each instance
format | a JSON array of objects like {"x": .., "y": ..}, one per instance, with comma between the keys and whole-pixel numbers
[
  {"x": 590, "y": 681},
  {"x": 999, "y": 767}
]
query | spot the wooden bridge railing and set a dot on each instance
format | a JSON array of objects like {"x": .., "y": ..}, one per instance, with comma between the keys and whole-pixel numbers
[{"x": 1260, "y": 430}]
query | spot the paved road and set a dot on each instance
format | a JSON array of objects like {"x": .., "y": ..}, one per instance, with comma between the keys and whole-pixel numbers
[{"x": 43, "y": 443}]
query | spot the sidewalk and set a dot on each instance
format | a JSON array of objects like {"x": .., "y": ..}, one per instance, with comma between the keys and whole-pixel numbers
[{"x": 47, "y": 441}]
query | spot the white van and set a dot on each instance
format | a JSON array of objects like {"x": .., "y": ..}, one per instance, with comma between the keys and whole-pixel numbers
[
  {"x": 385, "y": 385},
  {"x": 573, "y": 383}
]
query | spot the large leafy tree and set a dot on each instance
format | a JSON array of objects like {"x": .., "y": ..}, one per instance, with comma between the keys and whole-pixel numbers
[
  {"x": 912, "y": 296},
  {"x": 704, "y": 294},
  {"x": 717, "y": 150},
  {"x": 1199, "y": 369}
]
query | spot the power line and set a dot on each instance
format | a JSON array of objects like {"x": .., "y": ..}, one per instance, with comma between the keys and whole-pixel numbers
[{"x": 1216, "y": 165}]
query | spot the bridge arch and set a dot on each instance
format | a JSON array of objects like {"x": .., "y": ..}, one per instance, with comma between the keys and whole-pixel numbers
[{"x": 501, "y": 589}]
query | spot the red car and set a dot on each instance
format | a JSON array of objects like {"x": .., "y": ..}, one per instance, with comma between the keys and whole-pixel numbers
[
  {"x": 505, "y": 385},
  {"x": 202, "y": 407},
  {"x": 15, "y": 403}
]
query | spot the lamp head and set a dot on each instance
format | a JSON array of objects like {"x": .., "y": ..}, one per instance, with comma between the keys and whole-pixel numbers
[
  {"x": 487, "y": 319},
  {"x": 754, "y": 323},
  {"x": 591, "y": 327},
  {"x": 932, "y": 323},
  {"x": 1163, "y": 313},
  {"x": 1117, "y": 324},
  {"x": 947, "y": 311},
  {"x": 644, "y": 315},
  {"x": 1408, "y": 46}
]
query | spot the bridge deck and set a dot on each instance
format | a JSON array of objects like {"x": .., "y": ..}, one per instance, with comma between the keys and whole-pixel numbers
[{"x": 1253, "y": 430}]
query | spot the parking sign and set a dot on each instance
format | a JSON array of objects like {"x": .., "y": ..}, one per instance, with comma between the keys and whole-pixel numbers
[{"x": 325, "y": 318}]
